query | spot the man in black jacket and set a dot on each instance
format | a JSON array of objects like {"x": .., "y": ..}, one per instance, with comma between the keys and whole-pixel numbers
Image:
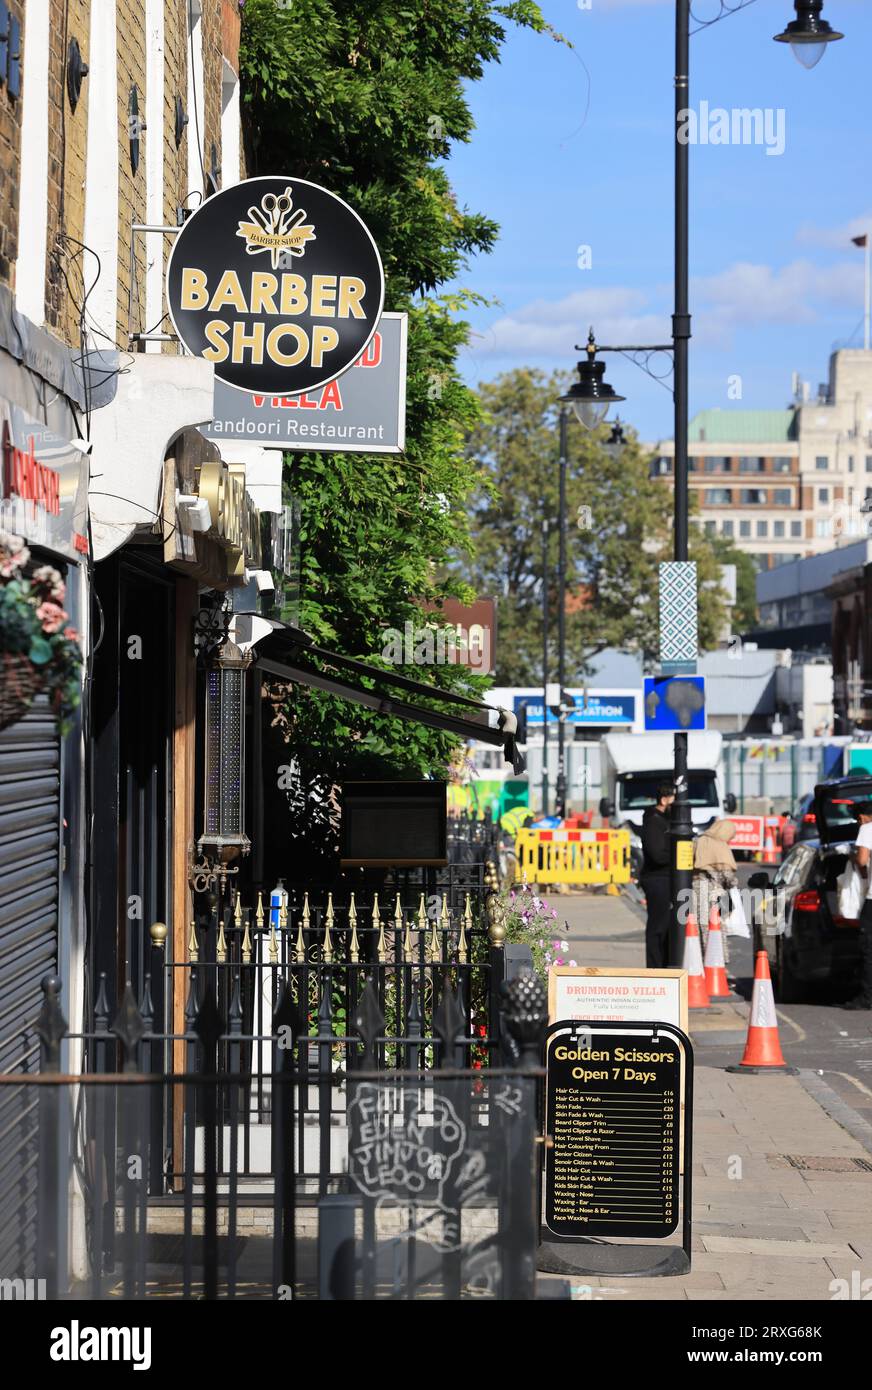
[{"x": 655, "y": 877}]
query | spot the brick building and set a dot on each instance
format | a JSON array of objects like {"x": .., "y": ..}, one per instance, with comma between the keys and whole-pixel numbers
[{"x": 784, "y": 484}]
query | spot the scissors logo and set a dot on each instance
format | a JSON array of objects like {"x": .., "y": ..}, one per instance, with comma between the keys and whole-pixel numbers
[{"x": 275, "y": 227}]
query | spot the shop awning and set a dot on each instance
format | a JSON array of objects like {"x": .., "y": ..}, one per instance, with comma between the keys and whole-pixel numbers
[{"x": 291, "y": 655}]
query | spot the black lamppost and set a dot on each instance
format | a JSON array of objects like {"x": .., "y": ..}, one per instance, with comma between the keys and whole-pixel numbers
[
  {"x": 590, "y": 398},
  {"x": 808, "y": 34}
]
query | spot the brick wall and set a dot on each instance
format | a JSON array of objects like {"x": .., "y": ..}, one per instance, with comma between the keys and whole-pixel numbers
[
  {"x": 10, "y": 166},
  {"x": 130, "y": 28},
  {"x": 67, "y": 145}
]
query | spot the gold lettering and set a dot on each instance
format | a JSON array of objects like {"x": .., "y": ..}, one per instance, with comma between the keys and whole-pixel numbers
[
  {"x": 228, "y": 291},
  {"x": 294, "y": 299},
  {"x": 215, "y": 331},
  {"x": 323, "y": 340},
  {"x": 263, "y": 287},
  {"x": 194, "y": 292},
  {"x": 351, "y": 292},
  {"x": 287, "y": 330},
  {"x": 243, "y": 342},
  {"x": 323, "y": 296}
]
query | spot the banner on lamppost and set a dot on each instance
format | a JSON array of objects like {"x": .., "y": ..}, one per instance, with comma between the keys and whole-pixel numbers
[
  {"x": 278, "y": 283},
  {"x": 361, "y": 412},
  {"x": 678, "y": 617}
]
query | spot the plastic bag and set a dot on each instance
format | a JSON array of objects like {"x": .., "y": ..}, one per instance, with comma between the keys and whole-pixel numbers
[
  {"x": 736, "y": 923},
  {"x": 851, "y": 891}
]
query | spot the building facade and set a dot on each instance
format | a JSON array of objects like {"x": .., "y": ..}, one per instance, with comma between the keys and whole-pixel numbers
[{"x": 784, "y": 484}]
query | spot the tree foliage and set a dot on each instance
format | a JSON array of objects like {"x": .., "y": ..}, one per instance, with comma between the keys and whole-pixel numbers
[
  {"x": 619, "y": 527},
  {"x": 366, "y": 97}
]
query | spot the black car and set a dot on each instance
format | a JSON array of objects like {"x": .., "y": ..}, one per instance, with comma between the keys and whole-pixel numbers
[
  {"x": 798, "y": 923},
  {"x": 801, "y": 825}
]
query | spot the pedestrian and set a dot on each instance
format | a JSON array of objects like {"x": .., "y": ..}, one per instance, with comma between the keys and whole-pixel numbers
[
  {"x": 862, "y": 855},
  {"x": 714, "y": 874},
  {"x": 655, "y": 877}
]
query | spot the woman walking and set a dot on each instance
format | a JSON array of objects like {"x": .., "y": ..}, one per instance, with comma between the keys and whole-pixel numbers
[{"x": 714, "y": 874}]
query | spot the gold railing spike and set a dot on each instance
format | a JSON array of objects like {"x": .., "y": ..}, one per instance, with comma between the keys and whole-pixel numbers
[
  {"x": 467, "y": 914},
  {"x": 237, "y": 911},
  {"x": 327, "y": 954},
  {"x": 221, "y": 944},
  {"x": 283, "y": 915},
  {"x": 407, "y": 943},
  {"x": 258, "y": 916},
  {"x": 433, "y": 951},
  {"x": 193, "y": 944},
  {"x": 273, "y": 945},
  {"x": 444, "y": 915},
  {"x": 306, "y": 913},
  {"x": 461, "y": 942},
  {"x": 422, "y": 915},
  {"x": 300, "y": 946},
  {"x": 380, "y": 948},
  {"x": 246, "y": 940},
  {"x": 354, "y": 944}
]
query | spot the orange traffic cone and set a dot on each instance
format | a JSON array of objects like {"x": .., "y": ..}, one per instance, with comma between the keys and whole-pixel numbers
[
  {"x": 769, "y": 853},
  {"x": 762, "y": 1048},
  {"x": 715, "y": 965},
  {"x": 697, "y": 994}
]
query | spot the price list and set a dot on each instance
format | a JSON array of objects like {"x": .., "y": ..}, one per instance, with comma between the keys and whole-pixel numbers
[{"x": 613, "y": 1115}]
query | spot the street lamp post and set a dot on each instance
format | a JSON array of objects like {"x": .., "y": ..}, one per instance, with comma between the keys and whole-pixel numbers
[
  {"x": 545, "y": 667},
  {"x": 560, "y": 806},
  {"x": 807, "y": 34}
]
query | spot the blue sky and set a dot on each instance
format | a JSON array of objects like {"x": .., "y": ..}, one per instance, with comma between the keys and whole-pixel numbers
[{"x": 573, "y": 148}]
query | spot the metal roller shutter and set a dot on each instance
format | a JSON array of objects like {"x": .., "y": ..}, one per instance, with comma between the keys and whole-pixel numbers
[{"x": 30, "y": 847}]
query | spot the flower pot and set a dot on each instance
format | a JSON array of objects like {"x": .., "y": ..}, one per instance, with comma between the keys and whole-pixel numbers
[{"x": 20, "y": 680}]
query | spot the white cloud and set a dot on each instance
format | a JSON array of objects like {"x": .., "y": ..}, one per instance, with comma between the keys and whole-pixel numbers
[
  {"x": 838, "y": 237},
  {"x": 740, "y": 296}
]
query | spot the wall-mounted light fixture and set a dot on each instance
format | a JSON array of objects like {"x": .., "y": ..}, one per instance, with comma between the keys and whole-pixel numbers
[
  {"x": 180, "y": 120},
  {"x": 135, "y": 125},
  {"x": 77, "y": 71}
]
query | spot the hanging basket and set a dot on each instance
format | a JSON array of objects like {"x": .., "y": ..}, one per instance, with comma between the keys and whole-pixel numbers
[{"x": 20, "y": 680}]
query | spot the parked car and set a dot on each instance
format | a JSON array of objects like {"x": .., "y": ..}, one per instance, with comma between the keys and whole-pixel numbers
[
  {"x": 801, "y": 824},
  {"x": 798, "y": 924}
]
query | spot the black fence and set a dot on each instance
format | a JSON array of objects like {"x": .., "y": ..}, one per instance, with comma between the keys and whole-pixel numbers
[{"x": 424, "y": 1182}]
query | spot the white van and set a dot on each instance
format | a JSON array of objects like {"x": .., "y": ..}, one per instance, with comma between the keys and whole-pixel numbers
[{"x": 633, "y": 766}]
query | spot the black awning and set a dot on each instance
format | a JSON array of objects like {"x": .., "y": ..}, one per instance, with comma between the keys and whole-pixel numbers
[{"x": 292, "y": 656}]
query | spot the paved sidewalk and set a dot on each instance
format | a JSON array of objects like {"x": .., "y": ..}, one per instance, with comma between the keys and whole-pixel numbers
[{"x": 766, "y": 1226}]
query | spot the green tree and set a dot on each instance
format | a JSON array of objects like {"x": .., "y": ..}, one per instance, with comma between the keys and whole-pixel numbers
[
  {"x": 366, "y": 97},
  {"x": 619, "y": 529}
]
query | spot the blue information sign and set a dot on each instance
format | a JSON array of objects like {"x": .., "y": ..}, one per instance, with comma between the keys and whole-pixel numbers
[
  {"x": 674, "y": 703},
  {"x": 599, "y": 708}
]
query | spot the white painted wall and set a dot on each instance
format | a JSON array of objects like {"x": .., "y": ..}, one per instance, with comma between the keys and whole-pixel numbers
[
  {"x": 231, "y": 133},
  {"x": 33, "y": 199},
  {"x": 155, "y": 56},
  {"x": 101, "y": 171},
  {"x": 196, "y": 106}
]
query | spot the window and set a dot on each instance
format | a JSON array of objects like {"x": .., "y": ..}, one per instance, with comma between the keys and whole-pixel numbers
[
  {"x": 749, "y": 465},
  {"x": 796, "y": 528},
  {"x": 718, "y": 464},
  {"x": 869, "y": 463},
  {"x": 711, "y": 527},
  {"x": 662, "y": 466},
  {"x": 823, "y": 494},
  {"x": 781, "y": 465},
  {"x": 778, "y": 530},
  {"x": 727, "y": 529},
  {"x": 762, "y": 529},
  {"x": 781, "y": 497},
  {"x": 822, "y": 527},
  {"x": 753, "y": 497},
  {"x": 822, "y": 462},
  {"x": 850, "y": 463},
  {"x": 744, "y": 528},
  {"x": 718, "y": 496}
]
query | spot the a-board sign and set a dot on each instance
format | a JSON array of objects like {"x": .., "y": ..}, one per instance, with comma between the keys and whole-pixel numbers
[
  {"x": 277, "y": 282},
  {"x": 628, "y": 995},
  {"x": 613, "y": 1113}
]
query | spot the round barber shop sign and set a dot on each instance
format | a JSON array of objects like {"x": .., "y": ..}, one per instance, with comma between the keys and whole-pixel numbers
[{"x": 278, "y": 283}]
